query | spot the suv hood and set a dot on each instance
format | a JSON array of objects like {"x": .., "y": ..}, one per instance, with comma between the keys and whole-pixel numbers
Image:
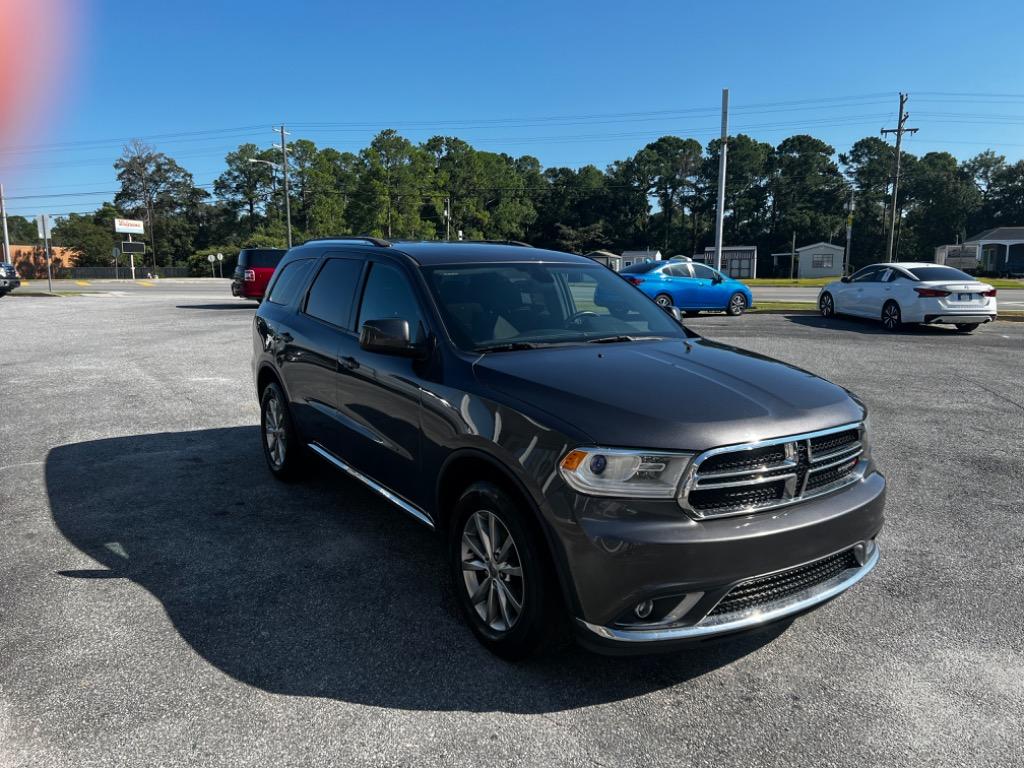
[{"x": 691, "y": 394}]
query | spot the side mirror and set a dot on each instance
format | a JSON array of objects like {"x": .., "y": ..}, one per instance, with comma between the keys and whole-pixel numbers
[
  {"x": 844, "y": 279},
  {"x": 389, "y": 337},
  {"x": 675, "y": 312},
  {"x": 717, "y": 279}
]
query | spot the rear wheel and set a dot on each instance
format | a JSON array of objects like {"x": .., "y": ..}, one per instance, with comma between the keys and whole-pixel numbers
[
  {"x": 827, "y": 305},
  {"x": 737, "y": 304},
  {"x": 281, "y": 446},
  {"x": 501, "y": 576},
  {"x": 663, "y": 300},
  {"x": 966, "y": 327},
  {"x": 892, "y": 318}
]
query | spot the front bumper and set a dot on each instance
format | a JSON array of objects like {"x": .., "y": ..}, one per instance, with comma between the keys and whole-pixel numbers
[
  {"x": 622, "y": 553},
  {"x": 9, "y": 283}
]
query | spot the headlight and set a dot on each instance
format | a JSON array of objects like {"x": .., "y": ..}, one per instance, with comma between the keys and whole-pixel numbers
[
  {"x": 865, "y": 436},
  {"x": 619, "y": 472}
]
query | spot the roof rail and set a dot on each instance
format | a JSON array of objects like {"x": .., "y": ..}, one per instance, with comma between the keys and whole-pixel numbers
[
  {"x": 494, "y": 242},
  {"x": 378, "y": 241}
]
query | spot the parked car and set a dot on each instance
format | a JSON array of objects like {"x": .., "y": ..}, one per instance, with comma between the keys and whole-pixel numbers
[
  {"x": 691, "y": 286},
  {"x": 9, "y": 279},
  {"x": 255, "y": 266},
  {"x": 910, "y": 292},
  {"x": 490, "y": 391}
]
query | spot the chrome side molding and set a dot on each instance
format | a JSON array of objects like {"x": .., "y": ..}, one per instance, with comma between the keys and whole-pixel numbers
[{"x": 394, "y": 498}]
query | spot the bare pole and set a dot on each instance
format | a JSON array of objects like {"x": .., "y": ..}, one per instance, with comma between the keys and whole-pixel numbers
[
  {"x": 899, "y": 130},
  {"x": 287, "y": 196},
  {"x": 7, "y": 237},
  {"x": 849, "y": 234},
  {"x": 722, "y": 154}
]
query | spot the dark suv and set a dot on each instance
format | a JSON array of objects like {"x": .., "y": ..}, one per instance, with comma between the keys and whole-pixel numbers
[
  {"x": 9, "y": 279},
  {"x": 583, "y": 454}
]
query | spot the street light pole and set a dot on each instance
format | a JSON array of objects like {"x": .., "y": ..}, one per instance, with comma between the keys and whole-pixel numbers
[{"x": 284, "y": 168}]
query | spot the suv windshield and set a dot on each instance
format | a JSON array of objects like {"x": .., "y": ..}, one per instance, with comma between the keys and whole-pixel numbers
[
  {"x": 520, "y": 305},
  {"x": 939, "y": 273}
]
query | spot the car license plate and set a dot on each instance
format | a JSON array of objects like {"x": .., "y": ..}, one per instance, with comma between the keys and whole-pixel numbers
[{"x": 965, "y": 297}]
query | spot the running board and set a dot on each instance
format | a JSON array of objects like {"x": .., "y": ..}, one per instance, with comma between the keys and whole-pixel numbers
[{"x": 391, "y": 496}]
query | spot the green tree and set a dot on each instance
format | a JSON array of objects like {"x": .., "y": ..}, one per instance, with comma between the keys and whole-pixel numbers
[
  {"x": 394, "y": 178},
  {"x": 90, "y": 236},
  {"x": 22, "y": 231},
  {"x": 245, "y": 185}
]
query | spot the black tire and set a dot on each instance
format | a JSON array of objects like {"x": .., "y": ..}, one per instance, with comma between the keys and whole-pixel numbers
[
  {"x": 966, "y": 327},
  {"x": 534, "y": 626},
  {"x": 827, "y": 305},
  {"x": 663, "y": 300},
  {"x": 286, "y": 464},
  {"x": 892, "y": 318},
  {"x": 737, "y": 304}
]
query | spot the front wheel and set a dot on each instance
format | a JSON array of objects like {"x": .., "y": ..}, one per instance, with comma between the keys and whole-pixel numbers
[
  {"x": 737, "y": 304},
  {"x": 827, "y": 305},
  {"x": 663, "y": 300},
  {"x": 892, "y": 318},
  {"x": 966, "y": 327},
  {"x": 500, "y": 574}
]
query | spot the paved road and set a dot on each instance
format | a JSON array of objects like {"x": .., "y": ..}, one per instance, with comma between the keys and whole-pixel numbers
[
  {"x": 1008, "y": 298},
  {"x": 164, "y": 602}
]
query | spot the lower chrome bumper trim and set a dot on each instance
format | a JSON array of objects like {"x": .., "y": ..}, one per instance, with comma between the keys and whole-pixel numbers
[{"x": 727, "y": 623}]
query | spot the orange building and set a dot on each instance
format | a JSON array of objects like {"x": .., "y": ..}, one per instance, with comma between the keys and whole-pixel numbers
[{"x": 30, "y": 260}]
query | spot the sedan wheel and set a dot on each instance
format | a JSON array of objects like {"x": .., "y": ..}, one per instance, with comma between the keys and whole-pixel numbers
[
  {"x": 827, "y": 305},
  {"x": 891, "y": 317},
  {"x": 492, "y": 571},
  {"x": 737, "y": 304},
  {"x": 663, "y": 300}
]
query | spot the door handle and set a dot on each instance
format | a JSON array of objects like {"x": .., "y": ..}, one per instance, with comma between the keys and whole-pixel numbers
[{"x": 348, "y": 362}]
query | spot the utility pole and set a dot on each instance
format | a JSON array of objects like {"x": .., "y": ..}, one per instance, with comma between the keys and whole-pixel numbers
[
  {"x": 7, "y": 237},
  {"x": 849, "y": 233},
  {"x": 284, "y": 168},
  {"x": 899, "y": 130},
  {"x": 792, "y": 257},
  {"x": 448, "y": 218},
  {"x": 723, "y": 151}
]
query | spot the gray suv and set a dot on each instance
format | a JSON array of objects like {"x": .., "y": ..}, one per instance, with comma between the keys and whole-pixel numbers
[{"x": 586, "y": 459}]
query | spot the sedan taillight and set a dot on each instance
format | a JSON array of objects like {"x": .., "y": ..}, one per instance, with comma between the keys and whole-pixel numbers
[
  {"x": 633, "y": 280},
  {"x": 990, "y": 293},
  {"x": 250, "y": 276},
  {"x": 931, "y": 293}
]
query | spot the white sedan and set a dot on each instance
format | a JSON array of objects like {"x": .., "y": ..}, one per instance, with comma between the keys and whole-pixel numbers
[{"x": 911, "y": 292}]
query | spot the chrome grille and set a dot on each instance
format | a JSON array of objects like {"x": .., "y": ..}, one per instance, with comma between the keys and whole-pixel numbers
[{"x": 740, "y": 479}]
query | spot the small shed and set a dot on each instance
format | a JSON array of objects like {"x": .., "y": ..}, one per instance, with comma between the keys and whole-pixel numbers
[
  {"x": 738, "y": 261},
  {"x": 820, "y": 260},
  {"x": 639, "y": 257},
  {"x": 609, "y": 259}
]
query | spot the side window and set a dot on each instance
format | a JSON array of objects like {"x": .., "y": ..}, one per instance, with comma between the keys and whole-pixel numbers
[
  {"x": 389, "y": 295},
  {"x": 703, "y": 271},
  {"x": 334, "y": 290},
  {"x": 865, "y": 275},
  {"x": 894, "y": 275},
  {"x": 289, "y": 282},
  {"x": 884, "y": 277}
]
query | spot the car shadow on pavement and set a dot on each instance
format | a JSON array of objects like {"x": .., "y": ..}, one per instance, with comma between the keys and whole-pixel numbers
[
  {"x": 867, "y": 326},
  {"x": 313, "y": 589}
]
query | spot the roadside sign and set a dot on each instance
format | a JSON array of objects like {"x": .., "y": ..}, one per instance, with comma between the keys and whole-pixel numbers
[
  {"x": 220, "y": 257},
  {"x": 43, "y": 226},
  {"x": 129, "y": 226},
  {"x": 211, "y": 258},
  {"x": 130, "y": 247},
  {"x": 117, "y": 252}
]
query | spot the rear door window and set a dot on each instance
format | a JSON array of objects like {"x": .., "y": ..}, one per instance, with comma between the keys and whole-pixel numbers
[
  {"x": 333, "y": 292},
  {"x": 289, "y": 282}
]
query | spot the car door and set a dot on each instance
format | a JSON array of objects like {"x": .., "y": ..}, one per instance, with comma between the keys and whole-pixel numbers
[
  {"x": 311, "y": 359},
  {"x": 847, "y": 296},
  {"x": 711, "y": 292},
  {"x": 873, "y": 292},
  {"x": 380, "y": 392}
]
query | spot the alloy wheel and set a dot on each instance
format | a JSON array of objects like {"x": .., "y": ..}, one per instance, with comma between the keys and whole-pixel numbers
[
  {"x": 492, "y": 571},
  {"x": 274, "y": 431},
  {"x": 663, "y": 300},
  {"x": 891, "y": 317},
  {"x": 737, "y": 304},
  {"x": 827, "y": 307}
]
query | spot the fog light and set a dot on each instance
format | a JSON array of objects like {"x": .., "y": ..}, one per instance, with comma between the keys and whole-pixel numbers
[
  {"x": 644, "y": 609},
  {"x": 860, "y": 552}
]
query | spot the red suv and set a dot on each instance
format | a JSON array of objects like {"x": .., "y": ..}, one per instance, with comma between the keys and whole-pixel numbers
[{"x": 255, "y": 266}]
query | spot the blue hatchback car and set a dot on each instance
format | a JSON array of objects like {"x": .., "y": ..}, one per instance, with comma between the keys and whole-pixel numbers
[{"x": 690, "y": 286}]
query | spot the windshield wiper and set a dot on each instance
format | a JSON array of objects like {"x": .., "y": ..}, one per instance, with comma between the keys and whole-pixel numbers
[
  {"x": 614, "y": 339},
  {"x": 511, "y": 346}
]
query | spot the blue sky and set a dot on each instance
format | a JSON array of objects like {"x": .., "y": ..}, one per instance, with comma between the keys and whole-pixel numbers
[{"x": 571, "y": 83}]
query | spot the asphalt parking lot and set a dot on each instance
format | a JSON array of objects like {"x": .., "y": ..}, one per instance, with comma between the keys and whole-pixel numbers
[{"x": 164, "y": 602}]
